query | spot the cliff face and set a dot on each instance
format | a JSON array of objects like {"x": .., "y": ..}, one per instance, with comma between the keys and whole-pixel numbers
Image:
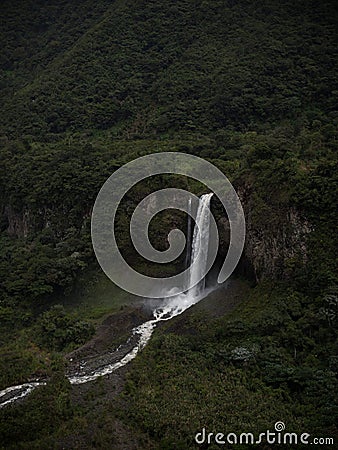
[
  {"x": 274, "y": 248},
  {"x": 275, "y": 237},
  {"x": 21, "y": 223}
]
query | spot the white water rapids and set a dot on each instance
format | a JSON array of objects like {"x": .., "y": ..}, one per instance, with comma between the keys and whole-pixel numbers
[{"x": 174, "y": 306}]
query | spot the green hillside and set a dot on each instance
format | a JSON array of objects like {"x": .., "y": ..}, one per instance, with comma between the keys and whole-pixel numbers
[
  {"x": 149, "y": 67},
  {"x": 248, "y": 85}
]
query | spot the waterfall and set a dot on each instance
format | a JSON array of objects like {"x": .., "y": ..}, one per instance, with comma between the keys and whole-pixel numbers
[
  {"x": 188, "y": 253},
  {"x": 200, "y": 245},
  {"x": 172, "y": 307}
]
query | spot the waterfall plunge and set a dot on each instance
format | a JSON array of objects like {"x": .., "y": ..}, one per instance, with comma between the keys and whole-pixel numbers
[
  {"x": 200, "y": 245},
  {"x": 174, "y": 306}
]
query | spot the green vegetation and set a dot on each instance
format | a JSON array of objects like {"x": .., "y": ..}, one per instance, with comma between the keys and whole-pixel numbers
[
  {"x": 251, "y": 87},
  {"x": 200, "y": 67},
  {"x": 244, "y": 371},
  {"x": 56, "y": 330},
  {"x": 47, "y": 408}
]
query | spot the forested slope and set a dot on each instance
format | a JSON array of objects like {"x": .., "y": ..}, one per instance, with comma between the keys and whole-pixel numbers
[
  {"x": 152, "y": 67},
  {"x": 248, "y": 85}
]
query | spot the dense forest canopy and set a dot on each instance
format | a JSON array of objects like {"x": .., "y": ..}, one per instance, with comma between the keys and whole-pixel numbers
[{"x": 144, "y": 68}]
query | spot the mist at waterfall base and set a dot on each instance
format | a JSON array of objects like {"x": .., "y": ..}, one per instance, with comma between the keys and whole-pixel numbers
[{"x": 166, "y": 309}]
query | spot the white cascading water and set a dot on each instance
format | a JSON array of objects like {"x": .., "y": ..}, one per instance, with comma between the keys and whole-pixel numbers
[
  {"x": 188, "y": 252},
  {"x": 200, "y": 245},
  {"x": 174, "y": 306}
]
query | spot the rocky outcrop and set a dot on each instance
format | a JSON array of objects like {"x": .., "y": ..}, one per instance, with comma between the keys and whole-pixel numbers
[
  {"x": 275, "y": 237},
  {"x": 22, "y": 223},
  {"x": 27, "y": 221}
]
